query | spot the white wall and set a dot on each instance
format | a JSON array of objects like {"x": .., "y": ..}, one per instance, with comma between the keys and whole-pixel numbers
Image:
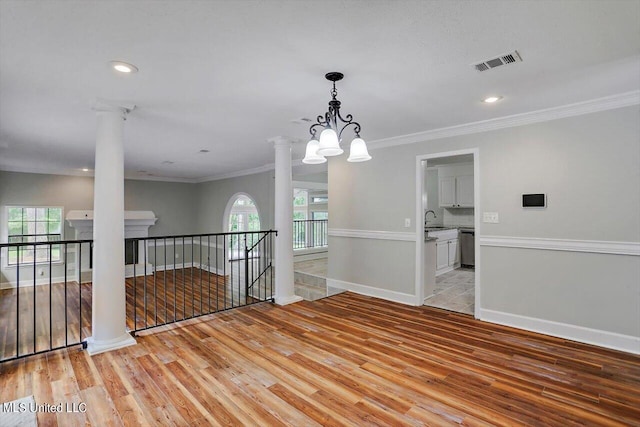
[{"x": 588, "y": 165}]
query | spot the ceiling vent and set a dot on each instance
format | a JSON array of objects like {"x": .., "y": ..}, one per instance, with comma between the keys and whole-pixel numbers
[{"x": 507, "y": 58}]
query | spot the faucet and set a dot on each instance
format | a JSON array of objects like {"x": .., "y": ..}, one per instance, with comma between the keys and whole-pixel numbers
[{"x": 425, "y": 216}]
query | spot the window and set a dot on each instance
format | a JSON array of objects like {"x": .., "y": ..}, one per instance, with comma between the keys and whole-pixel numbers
[
  {"x": 319, "y": 215},
  {"x": 33, "y": 224},
  {"x": 319, "y": 199},
  {"x": 242, "y": 218}
]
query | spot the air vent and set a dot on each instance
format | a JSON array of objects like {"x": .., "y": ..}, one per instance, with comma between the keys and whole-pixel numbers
[{"x": 507, "y": 58}]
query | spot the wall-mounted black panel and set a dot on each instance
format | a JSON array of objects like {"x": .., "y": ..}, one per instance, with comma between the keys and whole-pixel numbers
[{"x": 534, "y": 200}]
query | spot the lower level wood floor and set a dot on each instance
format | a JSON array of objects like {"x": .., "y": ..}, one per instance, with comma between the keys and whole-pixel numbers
[{"x": 343, "y": 360}]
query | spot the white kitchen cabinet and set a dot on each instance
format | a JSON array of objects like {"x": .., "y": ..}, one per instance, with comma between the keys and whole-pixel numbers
[
  {"x": 442, "y": 255},
  {"x": 447, "y": 196},
  {"x": 455, "y": 185},
  {"x": 447, "y": 250},
  {"x": 454, "y": 257},
  {"x": 464, "y": 191}
]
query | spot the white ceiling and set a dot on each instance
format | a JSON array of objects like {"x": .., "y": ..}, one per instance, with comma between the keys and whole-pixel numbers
[{"x": 227, "y": 75}]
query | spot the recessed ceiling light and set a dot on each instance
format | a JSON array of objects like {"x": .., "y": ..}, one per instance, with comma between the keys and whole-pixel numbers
[
  {"x": 123, "y": 67},
  {"x": 142, "y": 171},
  {"x": 492, "y": 99},
  {"x": 167, "y": 162},
  {"x": 85, "y": 170},
  {"x": 203, "y": 151}
]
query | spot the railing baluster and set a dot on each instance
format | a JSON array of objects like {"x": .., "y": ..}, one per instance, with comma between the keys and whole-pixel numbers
[
  {"x": 80, "y": 288},
  {"x": 50, "y": 299},
  {"x": 144, "y": 295},
  {"x": 135, "y": 287},
  {"x": 66, "y": 309},
  {"x": 35, "y": 255}
]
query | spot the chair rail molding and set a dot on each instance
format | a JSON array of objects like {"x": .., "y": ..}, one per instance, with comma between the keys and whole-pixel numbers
[
  {"x": 373, "y": 234},
  {"x": 569, "y": 245}
]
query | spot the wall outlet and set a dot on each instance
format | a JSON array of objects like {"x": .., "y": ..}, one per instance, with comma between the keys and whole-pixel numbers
[
  {"x": 40, "y": 272},
  {"x": 177, "y": 256},
  {"x": 490, "y": 217},
  {"x": 407, "y": 222}
]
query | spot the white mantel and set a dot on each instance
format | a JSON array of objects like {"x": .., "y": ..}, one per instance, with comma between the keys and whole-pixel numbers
[{"x": 136, "y": 225}]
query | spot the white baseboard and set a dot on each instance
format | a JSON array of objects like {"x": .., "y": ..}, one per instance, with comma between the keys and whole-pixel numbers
[
  {"x": 219, "y": 272},
  {"x": 597, "y": 337},
  {"x": 309, "y": 254},
  {"x": 370, "y": 291},
  {"x": 42, "y": 280}
]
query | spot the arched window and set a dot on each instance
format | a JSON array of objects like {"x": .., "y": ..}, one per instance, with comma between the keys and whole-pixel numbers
[{"x": 243, "y": 216}]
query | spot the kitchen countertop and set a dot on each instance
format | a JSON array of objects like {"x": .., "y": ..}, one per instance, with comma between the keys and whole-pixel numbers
[{"x": 449, "y": 227}]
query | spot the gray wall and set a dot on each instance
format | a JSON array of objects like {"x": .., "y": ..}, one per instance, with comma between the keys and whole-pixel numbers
[
  {"x": 589, "y": 166},
  {"x": 175, "y": 205},
  {"x": 213, "y": 197}
]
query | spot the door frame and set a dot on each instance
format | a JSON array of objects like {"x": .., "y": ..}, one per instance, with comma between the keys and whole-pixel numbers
[{"x": 421, "y": 203}]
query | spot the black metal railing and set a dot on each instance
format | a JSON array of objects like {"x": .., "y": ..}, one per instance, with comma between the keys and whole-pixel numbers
[
  {"x": 310, "y": 233},
  {"x": 45, "y": 300},
  {"x": 187, "y": 276}
]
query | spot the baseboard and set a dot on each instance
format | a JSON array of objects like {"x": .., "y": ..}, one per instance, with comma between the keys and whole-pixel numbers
[
  {"x": 370, "y": 291},
  {"x": 169, "y": 267},
  {"x": 308, "y": 255},
  {"x": 612, "y": 340},
  {"x": 42, "y": 281}
]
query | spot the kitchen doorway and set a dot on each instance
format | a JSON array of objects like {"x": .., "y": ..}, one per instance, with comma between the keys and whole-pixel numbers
[{"x": 447, "y": 261}]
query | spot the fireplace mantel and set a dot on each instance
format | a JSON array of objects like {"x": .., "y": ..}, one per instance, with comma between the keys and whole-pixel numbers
[{"x": 136, "y": 223}]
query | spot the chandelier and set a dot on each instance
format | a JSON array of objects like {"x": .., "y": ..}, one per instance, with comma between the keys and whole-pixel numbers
[{"x": 329, "y": 142}]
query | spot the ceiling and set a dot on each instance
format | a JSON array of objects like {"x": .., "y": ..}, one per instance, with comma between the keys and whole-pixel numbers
[{"x": 225, "y": 76}]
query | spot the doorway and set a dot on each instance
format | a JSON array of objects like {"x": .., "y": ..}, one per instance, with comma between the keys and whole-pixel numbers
[{"x": 447, "y": 255}]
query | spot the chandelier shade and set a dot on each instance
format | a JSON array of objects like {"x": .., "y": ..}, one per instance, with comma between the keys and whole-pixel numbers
[
  {"x": 329, "y": 144},
  {"x": 358, "y": 151},
  {"x": 333, "y": 125},
  {"x": 311, "y": 156}
]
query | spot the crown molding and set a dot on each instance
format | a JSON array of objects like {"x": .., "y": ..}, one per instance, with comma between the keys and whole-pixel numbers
[
  {"x": 244, "y": 172},
  {"x": 570, "y": 110},
  {"x": 70, "y": 172}
]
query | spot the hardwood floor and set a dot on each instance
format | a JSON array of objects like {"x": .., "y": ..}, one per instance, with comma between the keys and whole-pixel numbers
[
  {"x": 343, "y": 360},
  {"x": 158, "y": 299}
]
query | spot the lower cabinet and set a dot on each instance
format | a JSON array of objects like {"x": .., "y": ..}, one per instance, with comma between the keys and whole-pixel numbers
[{"x": 447, "y": 255}]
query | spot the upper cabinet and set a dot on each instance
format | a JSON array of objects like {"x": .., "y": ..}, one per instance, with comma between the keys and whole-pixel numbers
[{"x": 455, "y": 184}]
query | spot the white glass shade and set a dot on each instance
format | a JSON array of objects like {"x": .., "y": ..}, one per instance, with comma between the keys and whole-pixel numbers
[
  {"x": 311, "y": 156},
  {"x": 358, "y": 151},
  {"x": 329, "y": 144}
]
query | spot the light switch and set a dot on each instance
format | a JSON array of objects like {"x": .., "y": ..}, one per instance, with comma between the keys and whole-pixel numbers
[
  {"x": 407, "y": 222},
  {"x": 490, "y": 217}
]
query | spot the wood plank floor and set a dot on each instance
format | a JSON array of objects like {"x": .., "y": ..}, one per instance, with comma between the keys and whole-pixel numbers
[
  {"x": 187, "y": 292},
  {"x": 343, "y": 360}
]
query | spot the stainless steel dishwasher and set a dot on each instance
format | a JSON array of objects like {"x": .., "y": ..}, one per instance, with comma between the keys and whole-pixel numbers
[{"x": 467, "y": 248}]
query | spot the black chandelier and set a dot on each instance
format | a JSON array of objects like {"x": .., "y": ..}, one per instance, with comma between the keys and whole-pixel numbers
[{"x": 329, "y": 142}]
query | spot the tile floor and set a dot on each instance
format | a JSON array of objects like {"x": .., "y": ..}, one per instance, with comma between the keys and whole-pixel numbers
[{"x": 455, "y": 291}]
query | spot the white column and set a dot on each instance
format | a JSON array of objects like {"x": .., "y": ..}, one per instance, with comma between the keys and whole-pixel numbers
[
  {"x": 284, "y": 224},
  {"x": 109, "y": 297}
]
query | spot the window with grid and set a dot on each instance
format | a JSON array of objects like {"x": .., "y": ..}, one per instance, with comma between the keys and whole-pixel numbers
[{"x": 30, "y": 225}]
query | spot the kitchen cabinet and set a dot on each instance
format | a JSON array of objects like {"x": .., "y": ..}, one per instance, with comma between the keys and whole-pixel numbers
[
  {"x": 455, "y": 187},
  {"x": 447, "y": 250}
]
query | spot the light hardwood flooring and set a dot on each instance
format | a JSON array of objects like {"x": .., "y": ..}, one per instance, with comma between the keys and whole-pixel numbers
[
  {"x": 343, "y": 360},
  {"x": 158, "y": 298}
]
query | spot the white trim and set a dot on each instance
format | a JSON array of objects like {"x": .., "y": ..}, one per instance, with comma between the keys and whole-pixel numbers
[
  {"x": 597, "y": 337},
  {"x": 236, "y": 174},
  {"x": 308, "y": 185},
  {"x": 569, "y": 245},
  {"x": 371, "y": 291},
  {"x": 579, "y": 108},
  {"x": 189, "y": 265},
  {"x": 96, "y": 347},
  {"x": 373, "y": 234}
]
